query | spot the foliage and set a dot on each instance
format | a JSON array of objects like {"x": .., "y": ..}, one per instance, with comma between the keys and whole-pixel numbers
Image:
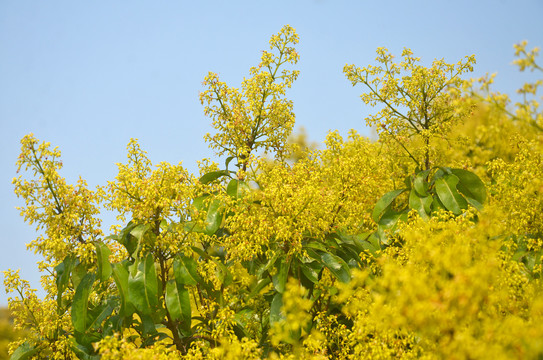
[{"x": 301, "y": 256}]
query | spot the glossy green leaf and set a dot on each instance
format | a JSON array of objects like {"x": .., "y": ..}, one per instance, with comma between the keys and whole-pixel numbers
[
  {"x": 228, "y": 160},
  {"x": 78, "y": 273},
  {"x": 470, "y": 185},
  {"x": 449, "y": 195},
  {"x": 63, "y": 271},
  {"x": 143, "y": 235},
  {"x": 350, "y": 254},
  {"x": 214, "y": 175},
  {"x": 437, "y": 205},
  {"x": 423, "y": 205},
  {"x": 185, "y": 270},
  {"x": 236, "y": 189},
  {"x": 337, "y": 266},
  {"x": 143, "y": 285},
  {"x": 139, "y": 231},
  {"x": 311, "y": 271},
  {"x": 97, "y": 315},
  {"x": 80, "y": 303},
  {"x": 85, "y": 340},
  {"x": 317, "y": 245},
  {"x": 261, "y": 284},
  {"x": 214, "y": 217},
  {"x": 269, "y": 264},
  {"x": 148, "y": 326},
  {"x": 390, "y": 219},
  {"x": 104, "y": 267},
  {"x": 24, "y": 351},
  {"x": 214, "y": 214},
  {"x": 178, "y": 303},
  {"x": 128, "y": 240},
  {"x": 84, "y": 352},
  {"x": 280, "y": 277},
  {"x": 384, "y": 202},
  {"x": 372, "y": 244},
  {"x": 120, "y": 275},
  {"x": 420, "y": 183},
  {"x": 275, "y": 308}
]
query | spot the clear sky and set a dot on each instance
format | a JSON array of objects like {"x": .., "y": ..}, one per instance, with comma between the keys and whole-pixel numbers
[{"x": 89, "y": 75}]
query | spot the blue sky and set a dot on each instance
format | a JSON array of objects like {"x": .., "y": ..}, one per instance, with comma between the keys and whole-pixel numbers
[{"x": 88, "y": 76}]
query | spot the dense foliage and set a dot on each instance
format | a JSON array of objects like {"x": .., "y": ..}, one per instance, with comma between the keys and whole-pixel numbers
[{"x": 424, "y": 244}]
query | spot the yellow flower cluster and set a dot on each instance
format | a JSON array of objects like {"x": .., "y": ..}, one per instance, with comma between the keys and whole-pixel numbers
[
  {"x": 67, "y": 214},
  {"x": 117, "y": 347},
  {"x": 518, "y": 192},
  {"x": 330, "y": 189},
  {"x": 296, "y": 315},
  {"x": 39, "y": 317},
  {"x": 416, "y": 101},
  {"x": 452, "y": 298},
  {"x": 160, "y": 198},
  {"x": 258, "y": 116}
]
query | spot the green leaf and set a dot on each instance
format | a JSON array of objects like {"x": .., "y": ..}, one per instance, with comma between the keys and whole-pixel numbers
[
  {"x": 236, "y": 189},
  {"x": 471, "y": 186},
  {"x": 97, "y": 315},
  {"x": 24, "y": 351},
  {"x": 311, "y": 271},
  {"x": 84, "y": 352},
  {"x": 128, "y": 240},
  {"x": 228, "y": 160},
  {"x": 337, "y": 266},
  {"x": 372, "y": 244},
  {"x": 143, "y": 285},
  {"x": 185, "y": 270},
  {"x": 420, "y": 183},
  {"x": 390, "y": 219},
  {"x": 214, "y": 175},
  {"x": 78, "y": 273},
  {"x": 214, "y": 217},
  {"x": 80, "y": 303},
  {"x": 389, "y": 222},
  {"x": 423, "y": 205},
  {"x": 104, "y": 267},
  {"x": 148, "y": 326},
  {"x": 261, "y": 284},
  {"x": 350, "y": 254},
  {"x": 120, "y": 275},
  {"x": 384, "y": 202},
  {"x": 63, "y": 271},
  {"x": 86, "y": 339},
  {"x": 178, "y": 303},
  {"x": 275, "y": 308},
  {"x": 317, "y": 245},
  {"x": 143, "y": 235},
  {"x": 437, "y": 205},
  {"x": 214, "y": 214},
  {"x": 139, "y": 231},
  {"x": 268, "y": 264},
  {"x": 280, "y": 277},
  {"x": 449, "y": 195}
]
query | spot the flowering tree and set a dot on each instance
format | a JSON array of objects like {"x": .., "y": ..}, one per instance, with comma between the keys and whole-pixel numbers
[{"x": 305, "y": 258}]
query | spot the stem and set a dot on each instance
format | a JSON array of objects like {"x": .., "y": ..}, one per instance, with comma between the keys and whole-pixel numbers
[
  {"x": 255, "y": 130},
  {"x": 403, "y": 146},
  {"x": 49, "y": 186}
]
